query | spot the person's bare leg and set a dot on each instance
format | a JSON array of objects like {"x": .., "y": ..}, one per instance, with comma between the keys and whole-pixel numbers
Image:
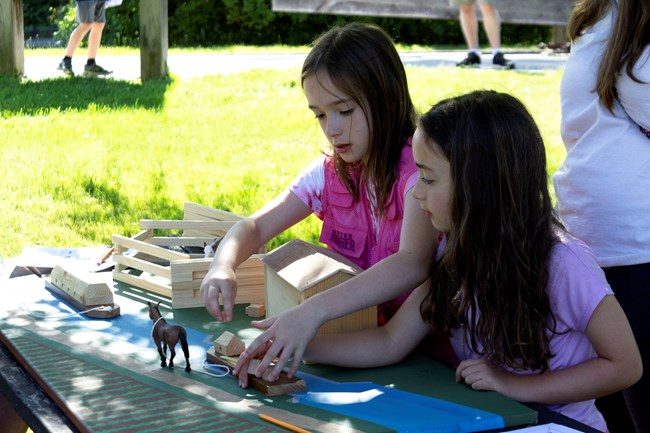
[
  {"x": 76, "y": 37},
  {"x": 94, "y": 39},
  {"x": 492, "y": 25},
  {"x": 469, "y": 25}
]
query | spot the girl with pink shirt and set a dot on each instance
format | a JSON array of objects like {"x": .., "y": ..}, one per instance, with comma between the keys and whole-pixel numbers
[{"x": 356, "y": 87}]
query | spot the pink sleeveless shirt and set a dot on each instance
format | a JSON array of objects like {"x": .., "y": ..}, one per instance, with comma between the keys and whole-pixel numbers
[{"x": 348, "y": 226}]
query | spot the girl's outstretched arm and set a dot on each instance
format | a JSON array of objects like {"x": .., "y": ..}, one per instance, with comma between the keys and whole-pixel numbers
[
  {"x": 366, "y": 348},
  {"x": 241, "y": 241},
  {"x": 617, "y": 366},
  {"x": 291, "y": 331}
]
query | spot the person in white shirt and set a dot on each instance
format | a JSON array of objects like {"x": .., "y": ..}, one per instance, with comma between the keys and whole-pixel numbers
[{"x": 603, "y": 186}]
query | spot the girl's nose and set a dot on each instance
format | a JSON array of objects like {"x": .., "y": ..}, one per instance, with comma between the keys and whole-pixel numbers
[
  {"x": 333, "y": 127},
  {"x": 417, "y": 191}
]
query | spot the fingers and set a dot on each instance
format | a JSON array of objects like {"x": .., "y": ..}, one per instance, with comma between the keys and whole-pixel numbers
[
  {"x": 211, "y": 301},
  {"x": 479, "y": 374},
  {"x": 228, "y": 306},
  {"x": 297, "y": 357},
  {"x": 465, "y": 370},
  {"x": 217, "y": 291},
  {"x": 263, "y": 324},
  {"x": 242, "y": 374}
]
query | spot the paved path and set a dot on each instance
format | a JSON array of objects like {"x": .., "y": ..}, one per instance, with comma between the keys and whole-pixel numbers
[{"x": 127, "y": 67}]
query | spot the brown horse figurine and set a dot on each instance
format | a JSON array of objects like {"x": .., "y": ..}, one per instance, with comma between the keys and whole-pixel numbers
[{"x": 168, "y": 335}]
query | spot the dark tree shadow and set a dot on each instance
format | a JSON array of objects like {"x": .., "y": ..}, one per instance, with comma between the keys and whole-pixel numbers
[{"x": 18, "y": 96}]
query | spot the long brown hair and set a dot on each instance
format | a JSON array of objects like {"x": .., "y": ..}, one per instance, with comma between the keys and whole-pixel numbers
[
  {"x": 627, "y": 41},
  {"x": 492, "y": 278},
  {"x": 362, "y": 62}
]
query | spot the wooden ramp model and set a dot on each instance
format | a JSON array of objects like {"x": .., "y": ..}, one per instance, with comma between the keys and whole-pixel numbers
[
  {"x": 226, "y": 350},
  {"x": 84, "y": 291}
]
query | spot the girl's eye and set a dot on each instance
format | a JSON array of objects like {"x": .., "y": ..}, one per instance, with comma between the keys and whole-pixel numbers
[
  {"x": 426, "y": 181},
  {"x": 319, "y": 116},
  {"x": 347, "y": 112}
]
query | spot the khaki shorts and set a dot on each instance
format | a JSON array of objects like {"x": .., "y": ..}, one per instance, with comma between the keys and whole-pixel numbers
[
  {"x": 91, "y": 11},
  {"x": 457, "y": 3}
]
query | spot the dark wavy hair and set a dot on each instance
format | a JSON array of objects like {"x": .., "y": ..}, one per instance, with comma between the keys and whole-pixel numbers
[
  {"x": 493, "y": 275},
  {"x": 628, "y": 39},
  {"x": 362, "y": 62}
]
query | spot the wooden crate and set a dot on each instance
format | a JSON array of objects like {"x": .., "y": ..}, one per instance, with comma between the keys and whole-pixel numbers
[
  {"x": 298, "y": 270},
  {"x": 143, "y": 261}
]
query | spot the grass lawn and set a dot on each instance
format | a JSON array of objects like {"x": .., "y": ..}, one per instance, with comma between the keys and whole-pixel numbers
[{"x": 85, "y": 158}]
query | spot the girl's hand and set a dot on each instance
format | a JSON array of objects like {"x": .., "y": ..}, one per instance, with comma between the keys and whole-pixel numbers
[
  {"x": 482, "y": 375},
  {"x": 285, "y": 337},
  {"x": 241, "y": 369},
  {"x": 220, "y": 282}
]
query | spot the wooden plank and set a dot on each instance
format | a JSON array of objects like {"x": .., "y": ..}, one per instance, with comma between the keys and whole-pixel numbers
[
  {"x": 143, "y": 265},
  {"x": 180, "y": 241},
  {"x": 539, "y": 12},
  {"x": 201, "y": 212},
  {"x": 284, "y": 385},
  {"x": 12, "y": 38},
  {"x": 217, "y": 226},
  {"x": 143, "y": 283},
  {"x": 144, "y": 247}
]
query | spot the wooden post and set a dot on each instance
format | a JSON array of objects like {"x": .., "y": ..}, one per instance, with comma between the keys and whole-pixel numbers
[
  {"x": 12, "y": 38},
  {"x": 154, "y": 39},
  {"x": 559, "y": 34}
]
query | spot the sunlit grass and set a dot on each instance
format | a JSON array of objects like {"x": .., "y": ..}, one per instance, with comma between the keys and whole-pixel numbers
[{"x": 83, "y": 159}]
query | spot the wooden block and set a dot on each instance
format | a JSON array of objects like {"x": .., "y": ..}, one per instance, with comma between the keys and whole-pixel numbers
[
  {"x": 228, "y": 344},
  {"x": 255, "y": 310},
  {"x": 83, "y": 291},
  {"x": 284, "y": 384}
]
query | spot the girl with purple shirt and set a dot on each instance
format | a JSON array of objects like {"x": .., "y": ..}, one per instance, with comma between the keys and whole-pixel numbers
[{"x": 529, "y": 311}]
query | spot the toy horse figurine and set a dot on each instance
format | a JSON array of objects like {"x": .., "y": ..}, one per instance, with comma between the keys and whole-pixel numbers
[{"x": 168, "y": 335}]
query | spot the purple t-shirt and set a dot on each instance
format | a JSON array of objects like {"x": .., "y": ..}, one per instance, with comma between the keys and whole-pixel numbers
[{"x": 576, "y": 286}]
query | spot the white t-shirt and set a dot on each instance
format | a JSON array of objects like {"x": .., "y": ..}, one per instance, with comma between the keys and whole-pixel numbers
[{"x": 603, "y": 187}]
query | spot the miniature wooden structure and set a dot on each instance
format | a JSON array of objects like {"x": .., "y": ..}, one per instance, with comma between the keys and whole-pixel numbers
[
  {"x": 142, "y": 261},
  {"x": 227, "y": 347},
  {"x": 298, "y": 270},
  {"x": 84, "y": 291},
  {"x": 229, "y": 344}
]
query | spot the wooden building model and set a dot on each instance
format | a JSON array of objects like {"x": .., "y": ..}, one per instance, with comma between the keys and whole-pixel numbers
[
  {"x": 298, "y": 270},
  {"x": 146, "y": 260}
]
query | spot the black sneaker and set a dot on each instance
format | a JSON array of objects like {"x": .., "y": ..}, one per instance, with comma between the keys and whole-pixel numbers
[
  {"x": 95, "y": 71},
  {"x": 500, "y": 61},
  {"x": 472, "y": 59},
  {"x": 66, "y": 68}
]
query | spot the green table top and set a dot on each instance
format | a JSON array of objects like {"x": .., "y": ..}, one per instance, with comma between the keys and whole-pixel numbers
[{"x": 123, "y": 345}]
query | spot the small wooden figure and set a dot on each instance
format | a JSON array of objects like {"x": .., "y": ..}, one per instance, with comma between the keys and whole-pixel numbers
[
  {"x": 228, "y": 344},
  {"x": 164, "y": 335},
  {"x": 255, "y": 310}
]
